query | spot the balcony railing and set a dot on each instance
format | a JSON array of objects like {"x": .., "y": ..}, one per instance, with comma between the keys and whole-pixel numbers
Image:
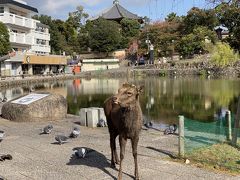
[
  {"x": 41, "y": 48},
  {"x": 40, "y": 35},
  {"x": 16, "y": 20},
  {"x": 20, "y": 38}
]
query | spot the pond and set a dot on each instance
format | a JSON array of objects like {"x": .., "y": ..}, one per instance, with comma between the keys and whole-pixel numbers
[{"x": 162, "y": 101}]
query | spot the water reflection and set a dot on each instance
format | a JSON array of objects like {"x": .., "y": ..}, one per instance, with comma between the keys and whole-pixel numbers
[{"x": 162, "y": 101}]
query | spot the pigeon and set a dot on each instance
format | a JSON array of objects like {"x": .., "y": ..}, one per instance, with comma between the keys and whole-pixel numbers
[
  {"x": 101, "y": 123},
  {"x": 5, "y": 157},
  {"x": 47, "y": 129},
  {"x": 81, "y": 152},
  {"x": 1, "y": 135},
  {"x": 4, "y": 100},
  {"x": 31, "y": 89},
  {"x": 75, "y": 133},
  {"x": 171, "y": 129},
  {"x": 148, "y": 124},
  {"x": 61, "y": 139}
]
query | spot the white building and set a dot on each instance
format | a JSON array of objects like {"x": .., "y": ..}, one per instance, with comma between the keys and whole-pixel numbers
[{"x": 28, "y": 38}]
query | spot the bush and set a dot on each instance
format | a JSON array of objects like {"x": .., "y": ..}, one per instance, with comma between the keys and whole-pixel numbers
[{"x": 223, "y": 55}]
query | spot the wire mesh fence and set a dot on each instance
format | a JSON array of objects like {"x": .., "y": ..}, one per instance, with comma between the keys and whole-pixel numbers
[
  {"x": 215, "y": 145},
  {"x": 200, "y": 134}
]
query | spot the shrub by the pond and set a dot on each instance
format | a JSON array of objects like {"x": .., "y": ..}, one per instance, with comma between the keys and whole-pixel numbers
[{"x": 223, "y": 55}]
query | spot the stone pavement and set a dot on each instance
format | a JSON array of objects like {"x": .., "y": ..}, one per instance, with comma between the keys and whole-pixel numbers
[{"x": 38, "y": 157}]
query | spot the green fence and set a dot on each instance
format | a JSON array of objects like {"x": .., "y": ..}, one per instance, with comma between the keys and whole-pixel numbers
[{"x": 199, "y": 134}]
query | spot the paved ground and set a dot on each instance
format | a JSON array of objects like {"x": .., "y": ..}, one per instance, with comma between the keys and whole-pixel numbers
[{"x": 37, "y": 157}]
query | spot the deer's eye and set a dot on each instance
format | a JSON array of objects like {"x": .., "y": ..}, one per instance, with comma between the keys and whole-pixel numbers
[{"x": 129, "y": 93}]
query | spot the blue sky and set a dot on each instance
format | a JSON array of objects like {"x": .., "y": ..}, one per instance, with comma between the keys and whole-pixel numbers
[{"x": 155, "y": 9}]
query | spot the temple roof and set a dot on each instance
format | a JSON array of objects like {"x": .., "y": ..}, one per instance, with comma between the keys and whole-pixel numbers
[{"x": 117, "y": 12}]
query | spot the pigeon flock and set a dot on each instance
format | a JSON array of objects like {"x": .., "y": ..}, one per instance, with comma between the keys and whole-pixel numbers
[
  {"x": 171, "y": 129},
  {"x": 60, "y": 138}
]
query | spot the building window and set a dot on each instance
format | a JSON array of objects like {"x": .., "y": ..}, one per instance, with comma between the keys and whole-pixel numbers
[
  {"x": 41, "y": 41},
  {"x": 40, "y": 29},
  {"x": 1, "y": 9}
]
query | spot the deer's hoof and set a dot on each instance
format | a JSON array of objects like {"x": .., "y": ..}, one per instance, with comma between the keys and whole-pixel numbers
[
  {"x": 113, "y": 165},
  {"x": 117, "y": 162}
]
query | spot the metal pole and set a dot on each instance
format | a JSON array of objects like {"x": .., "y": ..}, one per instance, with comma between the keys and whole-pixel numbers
[
  {"x": 229, "y": 131},
  {"x": 181, "y": 136},
  {"x": 236, "y": 124}
]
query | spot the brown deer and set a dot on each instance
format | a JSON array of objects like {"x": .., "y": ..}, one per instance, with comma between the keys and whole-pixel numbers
[{"x": 124, "y": 118}]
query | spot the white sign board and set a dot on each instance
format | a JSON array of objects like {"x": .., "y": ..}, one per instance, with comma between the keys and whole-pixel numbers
[{"x": 29, "y": 98}]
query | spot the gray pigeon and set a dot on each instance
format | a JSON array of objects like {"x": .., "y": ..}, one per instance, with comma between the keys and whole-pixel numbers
[
  {"x": 4, "y": 157},
  {"x": 102, "y": 123},
  {"x": 4, "y": 100},
  {"x": 75, "y": 133},
  {"x": 81, "y": 152},
  {"x": 1, "y": 135},
  {"x": 61, "y": 139},
  {"x": 171, "y": 129},
  {"x": 47, "y": 129}
]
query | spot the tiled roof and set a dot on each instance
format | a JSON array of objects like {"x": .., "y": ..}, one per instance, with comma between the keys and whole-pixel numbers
[{"x": 117, "y": 12}]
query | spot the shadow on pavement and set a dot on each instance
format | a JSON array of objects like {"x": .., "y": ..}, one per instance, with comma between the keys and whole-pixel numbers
[
  {"x": 170, "y": 154},
  {"x": 94, "y": 159}
]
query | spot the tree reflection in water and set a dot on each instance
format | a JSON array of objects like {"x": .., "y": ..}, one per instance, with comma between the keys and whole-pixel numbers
[{"x": 163, "y": 100}]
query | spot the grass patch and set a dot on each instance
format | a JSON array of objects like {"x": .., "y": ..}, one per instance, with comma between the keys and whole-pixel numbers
[{"x": 219, "y": 157}]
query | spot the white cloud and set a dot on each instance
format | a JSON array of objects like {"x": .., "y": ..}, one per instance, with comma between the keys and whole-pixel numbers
[
  {"x": 56, "y": 6},
  {"x": 61, "y": 8}
]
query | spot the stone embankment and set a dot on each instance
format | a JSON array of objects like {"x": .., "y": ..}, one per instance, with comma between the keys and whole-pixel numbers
[
  {"x": 181, "y": 68},
  {"x": 15, "y": 81},
  {"x": 188, "y": 69}
]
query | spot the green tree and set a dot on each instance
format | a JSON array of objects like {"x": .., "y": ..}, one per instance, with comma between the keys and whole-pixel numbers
[
  {"x": 163, "y": 35},
  {"x": 78, "y": 17},
  {"x": 58, "y": 37},
  {"x": 199, "y": 17},
  {"x": 173, "y": 17},
  {"x": 229, "y": 16},
  {"x": 4, "y": 40},
  {"x": 83, "y": 37},
  {"x": 223, "y": 55},
  {"x": 44, "y": 19},
  {"x": 130, "y": 30},
  {"x": 195, "y": 42},
  {"x": 104, "y": 35}
]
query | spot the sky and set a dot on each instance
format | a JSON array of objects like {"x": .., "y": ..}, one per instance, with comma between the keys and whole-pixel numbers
[{"x": 155, "y": 9}]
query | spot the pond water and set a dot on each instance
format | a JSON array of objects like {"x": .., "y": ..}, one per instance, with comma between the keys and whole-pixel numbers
[{"x": 162, "y": 101}]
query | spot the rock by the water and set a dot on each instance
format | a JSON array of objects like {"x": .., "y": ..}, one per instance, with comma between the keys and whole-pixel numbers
[{"x": 49, "y": 108}]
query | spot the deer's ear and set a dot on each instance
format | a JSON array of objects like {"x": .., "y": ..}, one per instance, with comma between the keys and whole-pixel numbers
[{"x": 140, "y": 89}]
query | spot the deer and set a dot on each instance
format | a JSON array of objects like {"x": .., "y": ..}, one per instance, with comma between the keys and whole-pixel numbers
[{"x": 124, "y": 119}]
